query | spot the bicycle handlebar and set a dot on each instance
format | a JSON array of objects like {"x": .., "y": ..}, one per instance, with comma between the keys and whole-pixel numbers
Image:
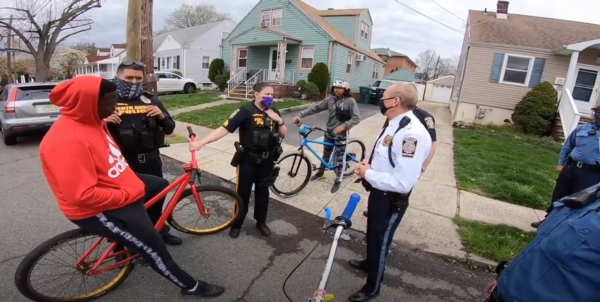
[{"x": 191, "y": 133}]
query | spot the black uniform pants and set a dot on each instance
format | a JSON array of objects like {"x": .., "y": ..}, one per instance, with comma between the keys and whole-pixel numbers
[
  {"x": 382, "y": 221},
  {"x": 149, "y": 164},
  {"x": 571, "y": 180},
  {"x": 250, "y": 172},
  {"x": 339, "y": 141},
  {"x": 131, "y": 227}
]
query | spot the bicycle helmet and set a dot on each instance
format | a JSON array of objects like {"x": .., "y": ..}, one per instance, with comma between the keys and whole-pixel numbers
[{"x": 340, "y": 84}]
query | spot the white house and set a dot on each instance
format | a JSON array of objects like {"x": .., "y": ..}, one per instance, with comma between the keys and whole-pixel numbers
[
  {"x": 102, "y": 51},
  {"x": 190, "y": 50}
]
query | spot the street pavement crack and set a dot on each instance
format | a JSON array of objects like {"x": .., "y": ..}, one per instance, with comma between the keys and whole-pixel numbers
[
  {"x": 18, "y": 160},
  {"x": 12, "y": 258},
  {"x": 260, "y": 274}
]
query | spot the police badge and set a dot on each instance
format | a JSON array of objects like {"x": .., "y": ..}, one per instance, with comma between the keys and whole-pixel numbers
[
  {"x": 387, "y": 140},
  {"x": 145, "y": 99}
]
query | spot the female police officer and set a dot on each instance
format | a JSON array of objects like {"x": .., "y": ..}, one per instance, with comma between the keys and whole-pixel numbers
[{"x": 261, "y": 128}]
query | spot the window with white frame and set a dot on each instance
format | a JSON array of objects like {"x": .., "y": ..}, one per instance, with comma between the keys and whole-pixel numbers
[
  {"x": 277, "y": 15},
  {"x": 175, "y": 62},
  {"x": 516, "y": 69},
  {"x": 162, "y": 63},
  {"x": 364, "y": 30},
  {"x": 242, "y": 58},
  {"x": 168, "y": 62},
  {"x": 224, "y": 36},
  {"x": 376, "y": 71},
  {"x": 265, "y": 18},
  {"x": 205, "y": 62},
  {"x": 307, "y": 57},
  {"x": 349, "y": 62}
]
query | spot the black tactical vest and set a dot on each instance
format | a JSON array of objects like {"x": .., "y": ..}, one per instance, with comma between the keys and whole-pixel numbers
[
  {"x": 137, "y": 133},
  {"x": 258, "y": 132}
]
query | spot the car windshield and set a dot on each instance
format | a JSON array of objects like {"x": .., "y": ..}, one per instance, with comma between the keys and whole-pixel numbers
[{"x": 27, "y": 93}]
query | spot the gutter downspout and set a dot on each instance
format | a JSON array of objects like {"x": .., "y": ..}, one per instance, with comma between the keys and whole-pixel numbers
[
  {"x": 330, "y": 59},
  {"x": 462, "y": 82}
]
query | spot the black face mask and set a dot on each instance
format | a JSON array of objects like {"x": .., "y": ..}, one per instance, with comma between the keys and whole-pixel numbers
[{"x": 382, "y": 108}]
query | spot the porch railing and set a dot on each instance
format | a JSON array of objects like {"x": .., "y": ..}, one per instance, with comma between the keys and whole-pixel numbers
[
  {"x": 288, "y": 76},
  {"x": 236, "y": 80},
  {"x": 256, "y": 78},
  {"x": 568, "y": 112}
]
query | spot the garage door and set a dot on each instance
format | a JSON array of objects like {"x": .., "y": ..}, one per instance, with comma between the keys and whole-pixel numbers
[{"x": 441, "y": 93}]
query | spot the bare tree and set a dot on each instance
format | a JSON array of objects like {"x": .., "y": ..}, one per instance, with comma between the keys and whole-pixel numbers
[
  {"x": 448, "y": 65},
  {"x": 87, "y": 47},
  {"x": 190, "y": 15},
  {"x": 43, "y": 25},
  {"x": 69, "y": 58},
  {"x": 426, "y": 62}
]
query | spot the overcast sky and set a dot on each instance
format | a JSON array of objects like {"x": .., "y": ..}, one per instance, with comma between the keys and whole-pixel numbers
[{"x": 395, "y": 26}]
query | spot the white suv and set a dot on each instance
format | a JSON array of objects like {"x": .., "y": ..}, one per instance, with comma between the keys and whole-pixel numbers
[{"x": 170, "y": 82}]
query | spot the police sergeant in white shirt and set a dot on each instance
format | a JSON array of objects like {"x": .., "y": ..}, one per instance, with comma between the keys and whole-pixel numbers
[{"x": 392, "y": 171}]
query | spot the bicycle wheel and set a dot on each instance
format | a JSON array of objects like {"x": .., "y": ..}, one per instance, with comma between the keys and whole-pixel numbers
[
  {"x": 187, "y": 207},
  {"x": 355, "y": 150},
  {"x": 290, "y": 166},
  {"x": 71, "y": 275}
]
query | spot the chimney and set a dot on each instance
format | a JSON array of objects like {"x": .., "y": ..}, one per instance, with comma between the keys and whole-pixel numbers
[
  {"x": 334, "y": 9},
  {"x": 502, "y": 10}
]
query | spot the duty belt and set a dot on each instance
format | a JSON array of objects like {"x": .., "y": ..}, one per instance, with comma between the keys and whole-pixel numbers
[
  {"x": 582, "y": 165},
  {"x": 142, "y": 157},
  {"x": 260, "y": 154}
]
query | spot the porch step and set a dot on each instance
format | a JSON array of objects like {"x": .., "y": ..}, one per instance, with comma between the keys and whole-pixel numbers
[{"x": 559, "y": 135}]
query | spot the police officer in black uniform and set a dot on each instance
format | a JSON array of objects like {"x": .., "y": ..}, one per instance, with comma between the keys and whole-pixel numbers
[
  {"x": 261, "y": 130},
  {"x": 139, "y": 127},
  {"x": 429, "y": 122}
]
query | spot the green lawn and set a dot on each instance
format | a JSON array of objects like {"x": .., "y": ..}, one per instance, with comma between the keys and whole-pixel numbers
[
  {"x": 213, "y": 117},
  {"x": 503, "y": 164},
  {"x": 175, "y": 139},
  {"x": 494, "y": 242},
  {"x": 176, "y": 101}
]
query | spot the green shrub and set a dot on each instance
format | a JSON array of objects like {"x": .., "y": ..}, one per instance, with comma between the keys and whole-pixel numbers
[
  {"x": 319, "y": 75},
  {"x": 536, "y": 111},
  {"x": 300, "y": 84},
  {"x": 312, "y": 90},
  {"x": 221, "y": 81},
  {"x": 215, "y": 69},
  {"x": 177, "y": 72}
]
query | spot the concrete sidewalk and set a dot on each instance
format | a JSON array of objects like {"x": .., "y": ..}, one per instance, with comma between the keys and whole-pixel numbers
[{"x": 428, "y": 224}]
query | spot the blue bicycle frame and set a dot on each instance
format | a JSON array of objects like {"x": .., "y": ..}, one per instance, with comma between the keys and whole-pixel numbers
[{"x": 305, "y": 143}]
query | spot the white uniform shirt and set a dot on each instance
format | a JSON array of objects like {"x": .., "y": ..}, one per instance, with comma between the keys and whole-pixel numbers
[{"x": 410, "y": 148}]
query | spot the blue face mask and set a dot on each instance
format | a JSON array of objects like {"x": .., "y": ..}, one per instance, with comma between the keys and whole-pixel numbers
[
  {"x": 128, "y": 90},
  {"x": 267, "y": 101}
]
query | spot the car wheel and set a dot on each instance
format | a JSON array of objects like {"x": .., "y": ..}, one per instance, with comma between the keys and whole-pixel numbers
[
  {"x": 189, "y": 88},
  {"x": 8, "y": 140}
]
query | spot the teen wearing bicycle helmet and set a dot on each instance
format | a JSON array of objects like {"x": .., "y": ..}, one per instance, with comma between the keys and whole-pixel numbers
[
  {"x": 343, "y": 115},
  {"x": 94, "y": 186}
]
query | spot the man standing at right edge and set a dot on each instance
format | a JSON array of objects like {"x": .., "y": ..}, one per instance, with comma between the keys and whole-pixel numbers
[{"x": 397, "y": 158}]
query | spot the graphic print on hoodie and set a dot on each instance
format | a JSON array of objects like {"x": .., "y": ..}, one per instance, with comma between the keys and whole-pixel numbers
[{"x": 82, "y": 164}]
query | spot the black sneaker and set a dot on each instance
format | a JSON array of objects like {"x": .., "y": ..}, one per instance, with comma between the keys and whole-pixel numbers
[
  {"x": 318, "y": 175},
  {"x": 204, "y": 290},
  {"x": 336, "y": 186},
  {"x": 172, "y": 240}
]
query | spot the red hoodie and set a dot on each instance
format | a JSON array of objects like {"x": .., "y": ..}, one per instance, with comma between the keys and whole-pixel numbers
[{"x": 81, "y": 162}]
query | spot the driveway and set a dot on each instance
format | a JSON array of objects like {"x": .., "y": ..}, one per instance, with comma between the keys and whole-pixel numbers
[
  {"x": 319, "y": 120},
  {"x": 252, "y": 268}
]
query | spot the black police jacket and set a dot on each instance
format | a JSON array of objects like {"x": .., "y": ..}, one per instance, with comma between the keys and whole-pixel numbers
[
  {"x": 258, "y": 132},
  {"x": 137, "y": 133}
]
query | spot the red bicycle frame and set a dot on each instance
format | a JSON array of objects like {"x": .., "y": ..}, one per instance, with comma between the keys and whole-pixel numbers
[{"x": 188, "y": 178}]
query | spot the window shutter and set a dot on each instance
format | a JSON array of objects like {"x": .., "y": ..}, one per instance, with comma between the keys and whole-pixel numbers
[
  {"x": 496, "y": 67},
  {"x": 536, "y": 73}
]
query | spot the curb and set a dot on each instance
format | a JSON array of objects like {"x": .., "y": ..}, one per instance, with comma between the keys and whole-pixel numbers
[{"x": 290, "y": 109}]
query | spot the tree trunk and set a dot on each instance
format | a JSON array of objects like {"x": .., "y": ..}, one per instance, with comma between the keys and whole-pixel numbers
[{"x": 41, "y": 70}]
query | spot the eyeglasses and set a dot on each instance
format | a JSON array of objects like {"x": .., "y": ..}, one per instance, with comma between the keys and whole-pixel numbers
[
  {"x": 129, "y": 63},
  {"x": 385, "y": 99}
]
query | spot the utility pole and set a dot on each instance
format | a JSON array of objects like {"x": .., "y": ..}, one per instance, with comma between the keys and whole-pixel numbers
[
  {"x": 9, "y": 46},
  {"x": 134, "y": 16},
  {"x": 147, "y": 50}
]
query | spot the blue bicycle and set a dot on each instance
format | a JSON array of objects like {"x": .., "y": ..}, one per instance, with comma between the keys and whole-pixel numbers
[{"x": 291, "y": 163}]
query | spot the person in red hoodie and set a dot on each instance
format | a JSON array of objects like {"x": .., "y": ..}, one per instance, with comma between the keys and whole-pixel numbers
[{"x": 93, "y": 184}]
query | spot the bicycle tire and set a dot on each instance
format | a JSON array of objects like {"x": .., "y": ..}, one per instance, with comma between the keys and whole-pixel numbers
[
  {"x": 294, "y": 192},
  {"x": 23, "y": 272},
  {"x": 359, "y": 158},
  {"x": 207, "y": 188}
]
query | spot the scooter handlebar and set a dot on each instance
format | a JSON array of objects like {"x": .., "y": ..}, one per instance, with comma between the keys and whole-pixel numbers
[{"x": 351, "y": 206}]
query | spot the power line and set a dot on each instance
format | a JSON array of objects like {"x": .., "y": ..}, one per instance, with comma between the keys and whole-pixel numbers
[
  {"x": 436, "y": 21},
  {"x": 453, "y": 14}
]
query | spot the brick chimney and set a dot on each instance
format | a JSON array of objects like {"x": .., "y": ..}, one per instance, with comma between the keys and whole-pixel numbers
[{"x": 502, "y": 9}]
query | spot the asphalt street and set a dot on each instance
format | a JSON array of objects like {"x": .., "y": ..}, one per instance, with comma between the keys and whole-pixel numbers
[
  {"x": 319, "y": 120},
  {"x": 252, "y": 268}
]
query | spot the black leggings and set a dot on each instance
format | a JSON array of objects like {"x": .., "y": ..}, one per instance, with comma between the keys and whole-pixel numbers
[{"x": 131, "y": 226}]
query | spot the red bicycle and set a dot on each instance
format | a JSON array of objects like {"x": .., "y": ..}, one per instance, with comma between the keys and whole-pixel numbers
[{"x": 101, "y": 258}]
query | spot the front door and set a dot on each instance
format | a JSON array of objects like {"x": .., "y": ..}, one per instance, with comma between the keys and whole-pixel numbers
[
  {"x": 585, "y": 89},
  {"x": 272, "y": 74}
]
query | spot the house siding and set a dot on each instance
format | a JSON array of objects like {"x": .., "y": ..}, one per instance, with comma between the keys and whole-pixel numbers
[
  {"x": 162, "y": 55},
  {"x": 206, "y": 45},
  {"x": 344, "y": 24},
  {"x": 361, "y": 43},
  {"x": 362, "y": 72},
  {"x": 476, "y": 86},
  {"x": 294, "y": 23},
  {"x": 400, "y": 63}
]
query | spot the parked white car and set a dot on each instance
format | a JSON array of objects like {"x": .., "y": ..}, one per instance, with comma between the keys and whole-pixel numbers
[{"x": 170, "y": 82}]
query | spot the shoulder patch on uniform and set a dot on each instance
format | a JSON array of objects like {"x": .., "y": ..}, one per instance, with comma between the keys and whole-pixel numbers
[
  {"x": 225, "y": 124},
  {"x": 234, "y": 113},
  {"x": 409, "y": 146},
  {"x": 429, "y": 122}
]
